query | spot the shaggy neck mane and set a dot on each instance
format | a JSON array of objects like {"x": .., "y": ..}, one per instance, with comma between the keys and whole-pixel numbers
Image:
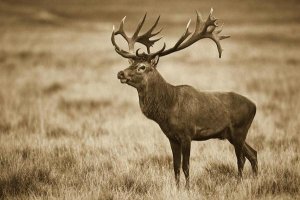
[{"x": 156, "y": 97}]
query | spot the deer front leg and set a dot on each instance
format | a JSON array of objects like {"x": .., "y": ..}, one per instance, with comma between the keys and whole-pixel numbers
[
  {"x": 176, "y": 150},
  {"x": 186, "y": 149}
]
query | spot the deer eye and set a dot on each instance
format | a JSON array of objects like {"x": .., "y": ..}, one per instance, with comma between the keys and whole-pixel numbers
[{"x": 141, "y": 68}]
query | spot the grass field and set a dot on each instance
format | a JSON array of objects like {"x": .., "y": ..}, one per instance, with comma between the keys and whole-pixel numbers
[{"x": 70, "y": 130}]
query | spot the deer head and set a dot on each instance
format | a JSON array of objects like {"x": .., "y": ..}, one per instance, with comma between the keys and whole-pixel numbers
[{"x": 143, "y": 65}]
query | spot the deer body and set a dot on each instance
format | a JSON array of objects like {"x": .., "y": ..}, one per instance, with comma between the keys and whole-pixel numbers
[
  {"x": 179, "y": 109},
  {"x": 183, "y": 113}
]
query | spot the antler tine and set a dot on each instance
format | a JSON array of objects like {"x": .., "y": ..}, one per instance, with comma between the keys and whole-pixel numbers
[
  {"x": 222, "y": 37},
  {"x": 199, "y": 20},
  {"x": 185, "y": 34},
  {"x": 149, "y": 32},
  {"x": 203, "y": 29},
  {"x": 132, "y": 40},
  {"x": 145, "y": 38},
  {"x": 139, "y": 27},
  {"x": 121, "y": 29},
  {"x": 121, "y": 32},
  {"x": 176, "y": 47}
]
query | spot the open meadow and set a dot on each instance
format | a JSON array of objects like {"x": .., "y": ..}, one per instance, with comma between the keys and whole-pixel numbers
[{"x": 70, "y": 130}]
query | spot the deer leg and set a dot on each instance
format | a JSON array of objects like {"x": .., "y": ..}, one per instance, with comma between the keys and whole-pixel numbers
[
  {"x": 176, "y": 151},
  {"x": 237, "y": 140},
  {"x": 240, "y": 159},
  {"x": 186, "y": 149},
  {"x": 251, "y": 155}
]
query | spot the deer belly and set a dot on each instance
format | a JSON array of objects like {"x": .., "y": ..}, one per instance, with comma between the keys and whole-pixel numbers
[{"x": 209, "y": 133}]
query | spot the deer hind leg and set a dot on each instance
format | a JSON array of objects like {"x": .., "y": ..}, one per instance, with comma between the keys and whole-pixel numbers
[
  {"x": 176, "y": 151},
  {"x": 251, "y": 155},
  {"x": 242, "y": 149},
  {"x": 240, "y": 159},
  {"x": 237, "y": 139}
]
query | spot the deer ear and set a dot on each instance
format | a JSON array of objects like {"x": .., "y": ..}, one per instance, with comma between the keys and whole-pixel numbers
[
  {"x": 131, "y": 61},
  {"x": 154, "y": 61}
]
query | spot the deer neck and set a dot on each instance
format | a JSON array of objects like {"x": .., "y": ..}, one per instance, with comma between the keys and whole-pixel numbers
[{"x": 156, "y": 97}]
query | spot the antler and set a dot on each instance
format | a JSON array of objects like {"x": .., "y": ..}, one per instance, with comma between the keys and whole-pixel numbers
[
  {"x": 143, "y": 39},
  {"x": 203, "y": 29}
]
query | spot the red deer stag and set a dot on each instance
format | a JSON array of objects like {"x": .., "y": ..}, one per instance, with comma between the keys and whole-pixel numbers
[{"x": 183, "y": 113}]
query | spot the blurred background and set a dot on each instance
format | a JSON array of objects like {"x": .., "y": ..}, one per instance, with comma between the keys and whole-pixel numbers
[{"x": 69, "y": 129}]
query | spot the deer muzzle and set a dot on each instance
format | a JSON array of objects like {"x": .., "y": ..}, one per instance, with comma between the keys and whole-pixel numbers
[{"x": 121, "y": 76}]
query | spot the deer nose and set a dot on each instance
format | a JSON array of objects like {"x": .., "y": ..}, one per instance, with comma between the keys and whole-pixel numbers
[{"x": 121, "y": 75}]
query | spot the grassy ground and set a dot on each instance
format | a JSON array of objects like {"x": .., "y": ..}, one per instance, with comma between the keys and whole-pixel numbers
[{"x": 70, "y": 130}]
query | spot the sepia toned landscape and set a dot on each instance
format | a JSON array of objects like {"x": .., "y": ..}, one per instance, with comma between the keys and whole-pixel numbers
[{"x": 70, "y": 130}]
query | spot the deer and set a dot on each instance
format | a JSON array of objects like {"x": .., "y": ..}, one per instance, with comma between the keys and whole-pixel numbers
[{"x": 183, "y": 113}]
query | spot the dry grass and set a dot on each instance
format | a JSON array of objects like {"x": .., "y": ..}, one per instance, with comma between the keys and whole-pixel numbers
[{"x": 70, "y": 130}]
